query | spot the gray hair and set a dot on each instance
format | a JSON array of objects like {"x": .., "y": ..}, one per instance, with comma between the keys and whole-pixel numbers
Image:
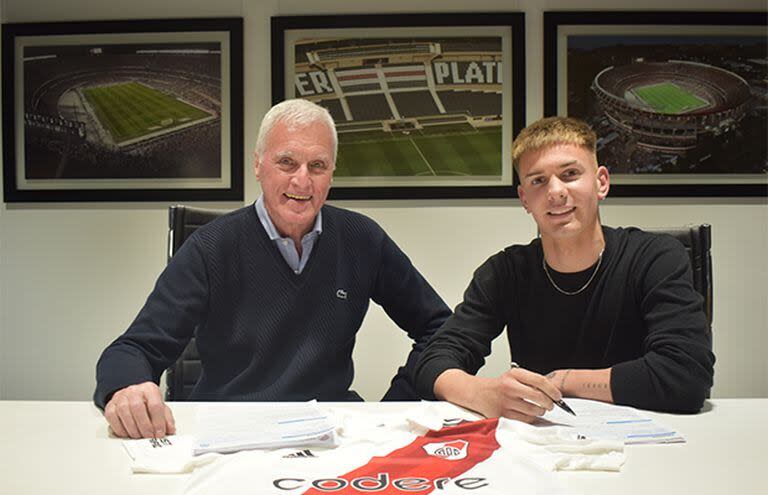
[{"x": 295, "y": 113}]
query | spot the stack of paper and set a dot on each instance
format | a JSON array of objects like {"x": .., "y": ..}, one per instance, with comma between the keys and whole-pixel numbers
[
  {"x": 600, "y": 420},
  {"x": 238, "y": 426}
]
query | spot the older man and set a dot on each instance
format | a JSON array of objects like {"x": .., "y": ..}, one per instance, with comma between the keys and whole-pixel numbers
[
  {"x": 606, "y": 314},
  {"x": 276, "y": 290}
]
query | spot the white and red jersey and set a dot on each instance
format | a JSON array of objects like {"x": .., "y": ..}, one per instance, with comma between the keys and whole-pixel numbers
[{"x": 485, "y": 457}]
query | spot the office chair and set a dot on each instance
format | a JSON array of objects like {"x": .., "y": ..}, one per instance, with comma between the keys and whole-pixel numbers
[
  {"x": 182, "y": 376},
  {"x": 697, "y": 240}
]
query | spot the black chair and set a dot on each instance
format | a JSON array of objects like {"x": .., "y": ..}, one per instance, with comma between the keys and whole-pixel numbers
[
  {"x": 182, "y": 376},
  {"x": 697, "y": 240}
]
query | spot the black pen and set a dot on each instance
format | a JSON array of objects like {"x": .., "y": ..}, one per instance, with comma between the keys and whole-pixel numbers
[{"x": 559, "y": 403}]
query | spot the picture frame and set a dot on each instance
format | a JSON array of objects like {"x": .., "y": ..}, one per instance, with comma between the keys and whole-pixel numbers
[
  {"x": 675, "y": 98},
  {"x": 426, "y": 105},
  {"x": 134, "y": 110}
]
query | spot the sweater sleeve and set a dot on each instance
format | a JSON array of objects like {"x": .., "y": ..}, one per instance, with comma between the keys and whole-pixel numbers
[
  {"x": 675, "y": 371},
  {"x": 465, "y": 339},
  {"x": 162, "y": 328},
  {"x": 411, "y": 302}
]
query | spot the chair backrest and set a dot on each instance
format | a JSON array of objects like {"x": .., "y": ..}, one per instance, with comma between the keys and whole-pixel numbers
[
  {"x": 697, "y": 240},
  {"x": 182, "y": 376}
]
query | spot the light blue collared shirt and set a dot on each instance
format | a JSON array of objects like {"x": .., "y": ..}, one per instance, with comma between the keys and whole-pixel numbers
[{"x": 285, "y": 244}]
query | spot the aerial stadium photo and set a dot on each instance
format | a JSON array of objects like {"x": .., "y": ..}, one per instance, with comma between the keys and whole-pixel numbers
[
  {"x": 122, "y": 111},
  {"x": 673, "y": 104},
  {"x": 408, "y": 109}
]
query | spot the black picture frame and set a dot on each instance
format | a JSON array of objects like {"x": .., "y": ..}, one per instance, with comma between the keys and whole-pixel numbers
[
  {"x": 134, "y": 110},
  {"x": 624, "y": 59},
  {"x": 411, "y": 33}
]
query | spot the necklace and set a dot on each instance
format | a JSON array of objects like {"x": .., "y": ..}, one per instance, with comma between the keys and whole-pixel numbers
[{"x": 583, "y": 287}]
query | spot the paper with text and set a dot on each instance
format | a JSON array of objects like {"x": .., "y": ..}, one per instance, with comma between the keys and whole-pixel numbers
[
  {"x": 238, "y": 426},
  {"x": 600, "y": 420}
]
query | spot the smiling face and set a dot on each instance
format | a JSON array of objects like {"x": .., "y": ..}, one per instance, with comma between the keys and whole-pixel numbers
[
  {"x": 561, "y": 185},
  {"x": 295, "y": 171}
]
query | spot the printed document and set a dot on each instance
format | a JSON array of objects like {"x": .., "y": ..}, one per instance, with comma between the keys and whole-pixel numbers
[
  {"x": 596, "y": 419},
  {"x": 229, "y": 427}
]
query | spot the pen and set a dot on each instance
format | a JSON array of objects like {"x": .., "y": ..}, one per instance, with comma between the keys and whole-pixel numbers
[{"x": 559, "y": 403}]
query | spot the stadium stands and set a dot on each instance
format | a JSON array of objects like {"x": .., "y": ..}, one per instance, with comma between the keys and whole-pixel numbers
[
  {"x": 369, "y": 107},
  {"x": 415, "y": 104},
  {"x": 728, "y": 97},
  {"x": 192, "y": 77},
  {"x": 471, "y": 102}
]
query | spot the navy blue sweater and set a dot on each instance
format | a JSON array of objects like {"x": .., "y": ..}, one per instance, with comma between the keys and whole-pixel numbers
[
  {"x": 641, "y": 316},
  {"x": 265, "y": 333}
]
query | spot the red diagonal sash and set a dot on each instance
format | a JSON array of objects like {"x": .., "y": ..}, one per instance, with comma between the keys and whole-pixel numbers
[{"x": 412, "y": 468}]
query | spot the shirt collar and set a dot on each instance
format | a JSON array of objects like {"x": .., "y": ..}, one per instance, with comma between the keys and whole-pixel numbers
[{"x": 272, "y": 232}]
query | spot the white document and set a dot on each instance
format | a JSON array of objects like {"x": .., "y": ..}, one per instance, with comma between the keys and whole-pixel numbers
[
  {"x": 596, "y": 419},
  {"x": 229, "y": 427}
]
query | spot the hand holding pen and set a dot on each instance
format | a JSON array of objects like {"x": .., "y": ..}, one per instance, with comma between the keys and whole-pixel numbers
[{"x": 559, "y": 403}]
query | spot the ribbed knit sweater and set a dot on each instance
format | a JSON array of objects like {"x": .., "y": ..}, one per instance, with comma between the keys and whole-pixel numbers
[
  {"x": 265, "y": 333},
  {"x": 640, "y": 315}
]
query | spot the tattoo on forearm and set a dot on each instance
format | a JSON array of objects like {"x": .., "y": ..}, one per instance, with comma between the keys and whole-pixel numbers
[
  {"x": 562, "y": 380},
  {"x": 563, "y": 375},
  {"x": 602, "y": 386}
]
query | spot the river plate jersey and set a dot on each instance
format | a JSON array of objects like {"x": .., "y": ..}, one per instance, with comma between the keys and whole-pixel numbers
[
  {"x": 414, "y": 452},
  {"x": 484, "y": 457}
]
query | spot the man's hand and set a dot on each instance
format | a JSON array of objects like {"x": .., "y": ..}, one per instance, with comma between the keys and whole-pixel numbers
[
  {"x": 138, "y": 411},
  {"x": 517, "y": 394}
]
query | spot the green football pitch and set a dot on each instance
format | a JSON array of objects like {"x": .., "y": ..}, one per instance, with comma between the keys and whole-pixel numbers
[
  {"x": 131, "y": 110},
  {"x": 669, "y": 98},
  {"x": 452, "y": 152}
]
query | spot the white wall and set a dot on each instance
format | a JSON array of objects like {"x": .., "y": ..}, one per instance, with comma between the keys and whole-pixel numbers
[{"x": 73, "y": 276}]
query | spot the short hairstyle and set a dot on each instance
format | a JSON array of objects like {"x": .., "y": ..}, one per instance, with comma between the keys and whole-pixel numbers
[
  {"x": 295, "y": 113},
  {"x": 550, "y": 131}
]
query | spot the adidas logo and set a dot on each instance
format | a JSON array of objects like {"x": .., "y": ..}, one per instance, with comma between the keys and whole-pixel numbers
[{"x": 300, "y": 453}]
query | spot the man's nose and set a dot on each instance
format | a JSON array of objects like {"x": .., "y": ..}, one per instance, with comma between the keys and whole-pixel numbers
[
  {"x": 300, "y": 176},
  {"x": 556, "y": 190}
]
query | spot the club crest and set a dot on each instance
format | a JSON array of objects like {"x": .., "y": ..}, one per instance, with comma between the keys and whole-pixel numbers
[{"x": 452, "y": 451}]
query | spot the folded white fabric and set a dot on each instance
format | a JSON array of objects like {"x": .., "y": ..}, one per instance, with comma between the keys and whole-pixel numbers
[
  {"x": 169, "y": 455},
  {"x": 561, "y": 448}
]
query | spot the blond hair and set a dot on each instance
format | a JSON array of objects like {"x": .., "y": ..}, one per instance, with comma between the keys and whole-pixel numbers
[{"x": 550, "y": 131}]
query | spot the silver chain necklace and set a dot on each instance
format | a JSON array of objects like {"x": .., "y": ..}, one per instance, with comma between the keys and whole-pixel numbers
[{"x": 583, "y": 287}]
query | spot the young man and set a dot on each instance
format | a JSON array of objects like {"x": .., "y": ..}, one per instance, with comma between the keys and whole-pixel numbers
[
  {"x": 590, "y": 311},
  {"x": 275, "y": 292}
]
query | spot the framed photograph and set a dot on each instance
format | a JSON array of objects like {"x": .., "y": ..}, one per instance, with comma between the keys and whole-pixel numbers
[
  {"x": 145, "y": 110},
  {"x": 425, "y": 105},
  {"x": 678, "y": 99}
]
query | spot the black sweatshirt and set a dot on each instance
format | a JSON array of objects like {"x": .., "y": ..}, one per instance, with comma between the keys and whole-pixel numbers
[{"x": 640, "y": 315}]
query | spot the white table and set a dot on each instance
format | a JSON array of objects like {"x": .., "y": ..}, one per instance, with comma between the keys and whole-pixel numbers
[{"x": 63, "y": 447}]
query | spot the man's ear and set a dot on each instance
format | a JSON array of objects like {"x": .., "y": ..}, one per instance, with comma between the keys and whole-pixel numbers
[
  {"x": 521, "y": 195},
  {"x": 603, "y": 182},
  {"x": 256, "y": 166}
]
